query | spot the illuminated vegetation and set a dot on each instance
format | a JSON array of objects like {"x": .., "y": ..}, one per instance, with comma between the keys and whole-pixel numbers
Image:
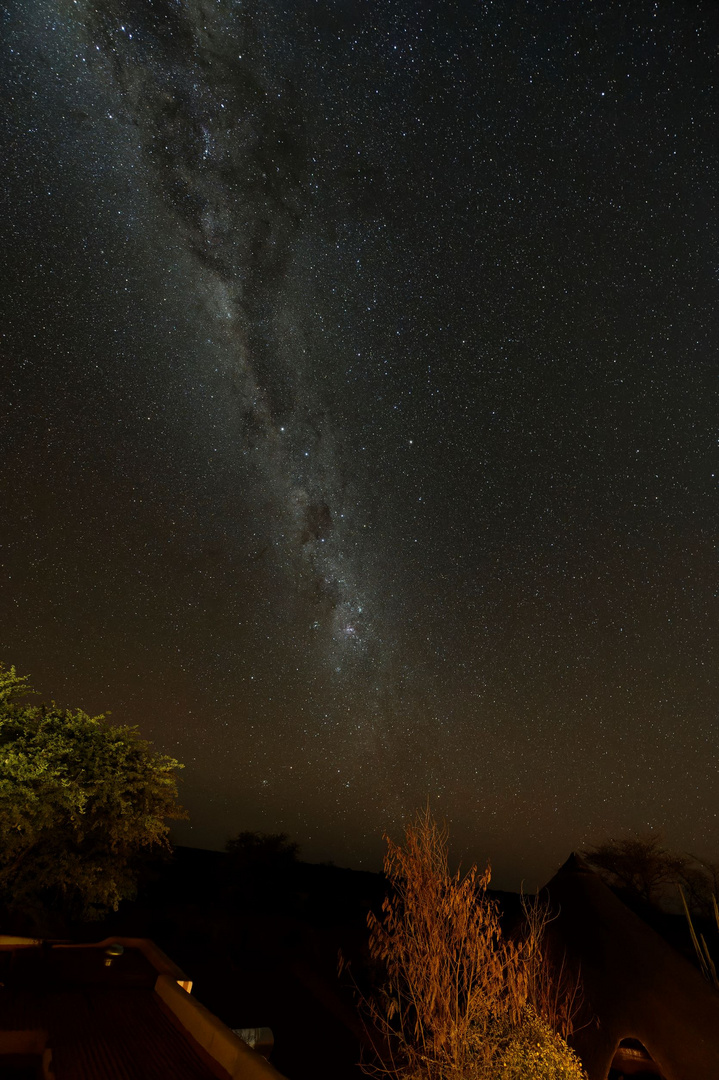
[
  {"x": 80, "y": 800},
  {"x": 457, "y": 1000}
]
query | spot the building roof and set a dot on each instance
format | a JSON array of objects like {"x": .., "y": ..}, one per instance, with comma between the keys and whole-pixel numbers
[
  {"x": 635, "y": 985},
  {"x": 130, "y": 1019}
]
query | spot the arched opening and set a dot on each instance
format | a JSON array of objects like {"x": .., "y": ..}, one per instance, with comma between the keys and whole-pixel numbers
[{"x": 633, "y": 1061}]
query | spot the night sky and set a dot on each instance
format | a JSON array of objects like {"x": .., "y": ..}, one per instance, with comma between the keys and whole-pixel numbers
[{"x": 359, "y": 409}]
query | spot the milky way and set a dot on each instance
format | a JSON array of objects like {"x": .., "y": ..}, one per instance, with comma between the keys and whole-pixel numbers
[
  {"x": 229, "y": 154},
  {"x": 362, "y": 401}
]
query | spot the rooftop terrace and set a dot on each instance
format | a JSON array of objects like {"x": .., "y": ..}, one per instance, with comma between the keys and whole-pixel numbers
[{"x": 125, "y": 1017}]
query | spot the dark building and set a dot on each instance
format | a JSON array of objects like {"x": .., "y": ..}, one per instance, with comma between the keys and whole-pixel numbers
[
  {"x": 116, "y": 1010},
  {"x": 646, "y": 1011}
]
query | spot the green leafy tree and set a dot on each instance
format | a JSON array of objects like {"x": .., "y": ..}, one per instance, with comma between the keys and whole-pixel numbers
[{"x": 81, "y": 802}]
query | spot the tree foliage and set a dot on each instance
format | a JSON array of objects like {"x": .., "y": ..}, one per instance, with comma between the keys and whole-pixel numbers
[
  {"x": 258, "y": 873},
  {"x": 250, "y": 850},
  {"x": 645, "y": 872},
  {"x": 80, "y": 801}
]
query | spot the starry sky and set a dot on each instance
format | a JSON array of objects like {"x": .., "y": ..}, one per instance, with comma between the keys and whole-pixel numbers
[{"x": 359, "y": 408}]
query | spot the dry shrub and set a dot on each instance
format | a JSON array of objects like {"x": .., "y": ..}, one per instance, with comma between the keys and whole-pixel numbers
[
  {"x": 457, "y": 998},
  {"x": 553, "y": 990}
]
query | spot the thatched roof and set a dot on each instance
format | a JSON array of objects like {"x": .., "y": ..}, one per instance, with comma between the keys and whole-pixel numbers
[{"x": 635, "y": 985}]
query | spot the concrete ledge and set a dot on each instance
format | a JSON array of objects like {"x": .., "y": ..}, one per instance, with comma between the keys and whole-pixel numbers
[
  {"x": 152, "y": 953},
  {"x": 238, "y": 1060}
]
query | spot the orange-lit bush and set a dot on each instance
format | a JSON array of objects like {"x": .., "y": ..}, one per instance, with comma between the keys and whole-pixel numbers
[{"x": 455, "y": 1000}]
